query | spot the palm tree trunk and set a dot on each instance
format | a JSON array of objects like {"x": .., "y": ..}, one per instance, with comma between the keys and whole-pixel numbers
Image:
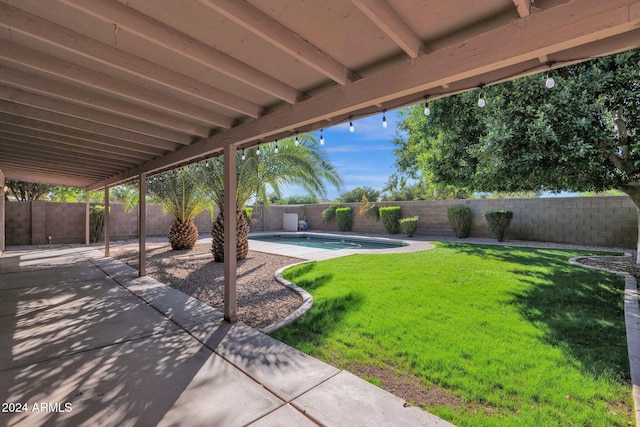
[
  {"x": 183, "y": 236},
  {"x": 217, "y": 234}
]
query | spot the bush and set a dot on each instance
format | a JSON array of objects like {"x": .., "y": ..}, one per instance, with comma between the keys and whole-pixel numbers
[
  {"x": 96, "y": 222},
  {"x": 409, "y": 225},
  {"x": 344, "y": 218},
  {"x": 499, "y": 222},
  {"x": 391, "y": 218},
  {"x": 460, "y": 220},
  {"x": 330, "y": 212}
]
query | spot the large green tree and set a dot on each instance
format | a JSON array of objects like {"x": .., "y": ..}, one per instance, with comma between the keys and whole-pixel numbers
[
  {"x": 258, "y": 175},
  {"x": 581, "y": 135}
]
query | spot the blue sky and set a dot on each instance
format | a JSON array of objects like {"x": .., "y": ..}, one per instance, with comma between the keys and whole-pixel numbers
[{"x": 364, "y": 157}]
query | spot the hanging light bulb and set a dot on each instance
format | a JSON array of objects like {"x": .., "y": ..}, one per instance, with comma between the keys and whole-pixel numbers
[
  {"x": 258, "y": 151},
  {"x": 549, "y": 82},
  {"x": 351, "y": 128},
  {"x": 481, "y": 102},
  {"x": 244, "y": 156},
  {"x": 384, "y": 119},
  {"x": 276, "y": 150},
  {"x": 297, "y": 140},
  {"x": 427, "y": 110},
  {"x": 321, "y": 137}
]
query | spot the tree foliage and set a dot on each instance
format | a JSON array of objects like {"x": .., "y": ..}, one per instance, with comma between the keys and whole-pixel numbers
[
  {"x": 309, "y": 199},
  {"x": 355, "y": 195},
  {"x": 26, "y": 191},
  {"x": 581, "y": 135}
]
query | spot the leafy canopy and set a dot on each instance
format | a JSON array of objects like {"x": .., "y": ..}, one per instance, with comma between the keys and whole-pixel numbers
[
  {"x": 581, "y": 135},
  {"x": 260, "y": 175}
]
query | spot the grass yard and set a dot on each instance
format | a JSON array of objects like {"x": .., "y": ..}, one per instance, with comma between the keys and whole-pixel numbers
[{"x": 508, "y": 336}]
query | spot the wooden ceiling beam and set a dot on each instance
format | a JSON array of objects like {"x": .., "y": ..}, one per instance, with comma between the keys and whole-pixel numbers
[
  {"x": 169, "y": 38},
  {"x": 77, "y": 75},
  {"x": 16, "y": 123},
  {"x": 55, "y": 147},
  {"x": 524, "y": 7},
  {"x": 17, "y": 173},
  {"x": 18, "y": 21},
  {"x": 92, "y": 100},
  {"x": 388, "y": 20},
  {"x": 45, "y": 116},
  {"x": 574, "y": 24},
  {"x": 29, "y": 99},
  {"x": 267, "y": 28},
  {"x": 28, "y": 162},
  {"x": 15, "y": 132},
  {"x": 39, "y": 150}
]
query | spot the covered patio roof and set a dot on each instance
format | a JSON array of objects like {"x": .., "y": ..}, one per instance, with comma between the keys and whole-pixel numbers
[{"x": 97, "y": 92}]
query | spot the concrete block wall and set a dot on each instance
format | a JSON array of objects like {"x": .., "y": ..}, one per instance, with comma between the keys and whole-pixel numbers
[
  {"x": 598, "y": 221},
  {"x": 31, "y": 223},
  {"x": 64, "y": 223},
  {"x": 17, "y": 223}
]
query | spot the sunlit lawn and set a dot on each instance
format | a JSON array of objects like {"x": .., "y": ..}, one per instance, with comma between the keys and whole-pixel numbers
[{"x": 519, "y": 335}]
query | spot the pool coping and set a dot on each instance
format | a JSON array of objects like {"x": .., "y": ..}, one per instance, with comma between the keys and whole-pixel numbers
[{"x": 319, "y": 254}]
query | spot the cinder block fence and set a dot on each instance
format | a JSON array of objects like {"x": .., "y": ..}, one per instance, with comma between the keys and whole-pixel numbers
[{"x": 598, "y": 221}]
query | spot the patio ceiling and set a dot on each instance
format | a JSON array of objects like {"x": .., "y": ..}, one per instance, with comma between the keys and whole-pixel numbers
[{"x": 96, "y": 92}]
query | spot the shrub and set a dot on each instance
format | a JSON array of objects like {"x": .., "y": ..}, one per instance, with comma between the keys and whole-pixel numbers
[
  {"x": 330, "y": 212},
  {"x": 96, "y": 222},
  {"x": 499, "y": 222},
  {"x": 344, "y": 218},
  {"x": 460, "y": 220},
  {"x": 409, "y": 225},
  {"x": 391, "y": 218}
]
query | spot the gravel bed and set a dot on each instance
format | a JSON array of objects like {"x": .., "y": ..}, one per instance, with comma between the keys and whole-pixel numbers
[
  {"x": 262, "y": 300},
  {"x": 623, "y": 264}
]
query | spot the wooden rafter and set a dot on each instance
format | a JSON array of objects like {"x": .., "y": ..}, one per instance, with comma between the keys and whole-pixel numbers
[
  {"x": 262, "y": 25},
  {"x": 524, "y": 7},
  {"x": 381, "y": 14},
  {"x": 177, "y": 42}
]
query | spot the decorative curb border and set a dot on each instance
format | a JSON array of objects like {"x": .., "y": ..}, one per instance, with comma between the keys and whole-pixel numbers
[
  {"x": 632, "y": 323},
  {"x": 307, "y": 301}
]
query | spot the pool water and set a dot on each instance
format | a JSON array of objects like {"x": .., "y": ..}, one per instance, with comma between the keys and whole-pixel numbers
[{"x": 329, "y": 242}]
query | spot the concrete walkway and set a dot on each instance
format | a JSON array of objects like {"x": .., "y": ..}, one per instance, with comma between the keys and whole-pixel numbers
[{"x": 83, "y": 341}]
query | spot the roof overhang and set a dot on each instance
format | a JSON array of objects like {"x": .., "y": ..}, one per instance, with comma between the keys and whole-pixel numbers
[{"x": 94, "y": 93}]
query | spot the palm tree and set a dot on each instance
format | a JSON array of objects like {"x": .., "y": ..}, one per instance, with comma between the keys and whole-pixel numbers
[
  {"x": 181, "y": 196},
  {"x": 276, "y": 165}
]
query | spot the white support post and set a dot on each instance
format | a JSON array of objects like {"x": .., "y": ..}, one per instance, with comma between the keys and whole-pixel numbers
[
  {"x": 107, "y": 229},
  {"x": 86, "y": 217},
  {"x": 142, "y": 225},
  {"x": 230, "y": 262}
]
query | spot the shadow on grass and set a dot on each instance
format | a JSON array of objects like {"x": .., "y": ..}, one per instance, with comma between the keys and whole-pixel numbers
[
  {"x": 580, "y": 310},
  {"x": 324, "y": 318}
]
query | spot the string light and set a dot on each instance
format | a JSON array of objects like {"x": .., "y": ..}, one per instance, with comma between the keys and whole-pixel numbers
[
  {"x": 297, "y": 140},
  {"x": 244, "y": 156},
  {"x": 549, "y": 82},
  {"x": 258, "y": 151},
  {"x": 384, "y": 119},
  {"x": 427, "y": 110},
  {"x": 276, "y": 150},
  {"x": 351, "y": 128},
  {"x": 481, "y": 101},
  {"x": 321, "y": 137}
]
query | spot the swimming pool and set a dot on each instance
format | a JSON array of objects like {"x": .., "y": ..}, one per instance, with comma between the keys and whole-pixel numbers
[{"x": 331, "y": 242}]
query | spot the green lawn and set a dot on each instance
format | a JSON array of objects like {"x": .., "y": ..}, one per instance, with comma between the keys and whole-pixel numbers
[{"x": 517, "y": 335}]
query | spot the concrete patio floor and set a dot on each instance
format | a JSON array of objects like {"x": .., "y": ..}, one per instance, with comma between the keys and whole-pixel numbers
[{"x": 84, "y": 341}]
